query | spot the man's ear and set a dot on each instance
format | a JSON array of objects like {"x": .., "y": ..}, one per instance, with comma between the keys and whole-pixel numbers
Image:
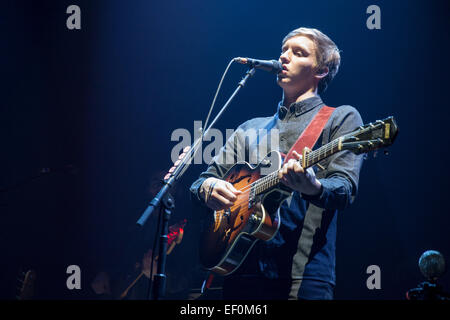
[{"x": 322, "y": 73}]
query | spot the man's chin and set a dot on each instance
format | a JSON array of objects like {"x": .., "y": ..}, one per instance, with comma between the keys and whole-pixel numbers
[{"x": 282, "y": 81}]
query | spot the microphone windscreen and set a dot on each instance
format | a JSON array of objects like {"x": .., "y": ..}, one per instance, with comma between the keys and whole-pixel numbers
[
  {"x": 277, "y": 67},
  {"x": 432, "y": 264}
]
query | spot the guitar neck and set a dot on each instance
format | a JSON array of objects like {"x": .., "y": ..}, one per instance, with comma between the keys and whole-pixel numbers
[
  {"x": 323, "y": 152},
  {"x": 270, "y": 181}
]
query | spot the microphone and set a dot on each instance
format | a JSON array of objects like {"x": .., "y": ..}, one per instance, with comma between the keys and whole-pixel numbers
[{"x": 272, "y": 66}]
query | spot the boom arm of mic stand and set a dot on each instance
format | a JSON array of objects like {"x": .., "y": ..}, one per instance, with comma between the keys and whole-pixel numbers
[
  {"x": 186, "y": 161},
  {"x": 163, "y": 196}
]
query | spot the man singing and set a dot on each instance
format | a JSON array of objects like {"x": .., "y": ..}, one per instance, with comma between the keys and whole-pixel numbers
[{"x": 299, "y": 261}]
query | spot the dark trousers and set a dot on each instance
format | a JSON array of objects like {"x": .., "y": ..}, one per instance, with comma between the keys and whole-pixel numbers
[
  {"x": 308, "y": 289},
  {"x": 249, "y": 288}
]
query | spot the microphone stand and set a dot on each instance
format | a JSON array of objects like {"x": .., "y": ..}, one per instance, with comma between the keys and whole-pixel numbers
[{"x": 165, "y": 201}]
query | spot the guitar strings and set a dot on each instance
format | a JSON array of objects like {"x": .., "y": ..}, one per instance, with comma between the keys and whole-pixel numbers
[
  {"x": 272, "y": 179},
  {"x": 310, "y": 156}
]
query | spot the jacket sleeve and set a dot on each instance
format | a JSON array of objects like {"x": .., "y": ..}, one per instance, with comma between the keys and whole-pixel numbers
[
  {"x": 220, "y": 164},
  {"x": 341, "y": 176}
]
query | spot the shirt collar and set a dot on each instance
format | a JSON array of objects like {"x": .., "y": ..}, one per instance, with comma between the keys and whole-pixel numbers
[{"x": 298, "y": 108}]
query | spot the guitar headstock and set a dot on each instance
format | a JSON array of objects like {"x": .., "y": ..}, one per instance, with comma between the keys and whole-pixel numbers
[{"x": 372, "y": 136}]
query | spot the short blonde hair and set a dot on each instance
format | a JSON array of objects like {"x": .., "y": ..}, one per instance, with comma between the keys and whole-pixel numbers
[{"x": 327, "y": 53}]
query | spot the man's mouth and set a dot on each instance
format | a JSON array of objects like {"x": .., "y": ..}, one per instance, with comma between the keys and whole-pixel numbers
[{"x": 284, "y": 70}]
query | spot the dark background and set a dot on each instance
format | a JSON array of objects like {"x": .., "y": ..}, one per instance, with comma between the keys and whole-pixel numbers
[{"x": 97, "y": 107}]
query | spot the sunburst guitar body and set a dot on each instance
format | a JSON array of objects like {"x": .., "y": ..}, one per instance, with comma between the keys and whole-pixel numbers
[{"x": 229, "y": 235}]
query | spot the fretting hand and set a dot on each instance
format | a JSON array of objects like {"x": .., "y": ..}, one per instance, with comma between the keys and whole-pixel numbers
[{"x": 294, "y": 176}]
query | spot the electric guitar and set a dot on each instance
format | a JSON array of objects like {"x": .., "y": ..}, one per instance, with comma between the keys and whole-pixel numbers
[{"x": 229, "y": 235}]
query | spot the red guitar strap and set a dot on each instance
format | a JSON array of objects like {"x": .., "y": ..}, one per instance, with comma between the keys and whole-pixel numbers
[{"x": 309, "y": 136}]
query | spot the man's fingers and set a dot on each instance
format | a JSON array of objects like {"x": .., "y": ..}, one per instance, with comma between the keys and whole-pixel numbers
[
  {"x": 226, "y": 193},
  {"x": 223, "y": 201},
  {"x": 283, "y": 171},
  {"x": 222, "y": 195},
  {"x": 291, "y": 166},
  {"x": 297, "y": 155},
  {"x": 232, "y": 188},
  {"x": 298, "y": 168},
  {"x": 292, "y": 173},
  {"x": 285, "y": 168}
]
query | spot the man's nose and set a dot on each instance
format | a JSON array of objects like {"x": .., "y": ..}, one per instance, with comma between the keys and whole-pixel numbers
[{"x": 284, "y": 57}]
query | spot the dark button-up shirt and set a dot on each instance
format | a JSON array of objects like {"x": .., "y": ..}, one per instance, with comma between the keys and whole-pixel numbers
[{"x": 304, "y": 247}]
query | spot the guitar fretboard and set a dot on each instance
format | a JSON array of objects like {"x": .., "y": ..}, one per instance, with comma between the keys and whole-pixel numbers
[{"x": 266, "y": 183}]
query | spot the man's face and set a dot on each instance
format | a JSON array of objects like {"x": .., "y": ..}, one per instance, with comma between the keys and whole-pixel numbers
[{"x": 298, "y": 58}]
